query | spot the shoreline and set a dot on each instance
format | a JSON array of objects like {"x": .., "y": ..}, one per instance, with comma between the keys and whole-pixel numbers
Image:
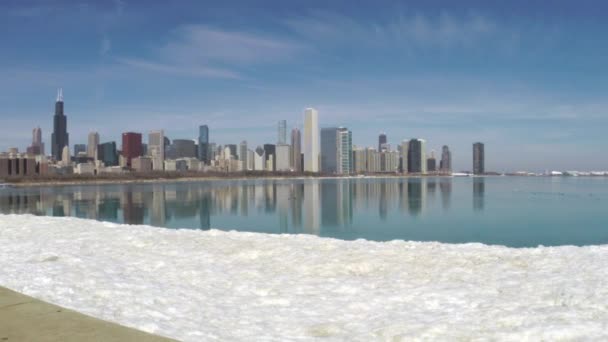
[{"x": 26, "y": 183}]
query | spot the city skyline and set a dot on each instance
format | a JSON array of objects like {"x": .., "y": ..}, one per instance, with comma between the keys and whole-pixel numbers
[{"x": 449, "y": 73}]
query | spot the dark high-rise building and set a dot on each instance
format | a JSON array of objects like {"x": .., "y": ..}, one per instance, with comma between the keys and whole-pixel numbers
[
  {"x": 59, "y": 137},
  {"x": 478, "y": 158},
  {"x": 203, "y": 144},
  {"x": 270, "y": 152},
  {"x": 106, "y": 152},
  {"x": 381, "y": 141},
  {"x": 131, "y": 146},
  {"x": 416, "y": 156},
  {"x": 445, "y": 165},
  {"x": 233, "y": 150},
  {"x": 183, "y": 148},
  {"x": 79, "y": 148},
  {"x": 431, "y": 164},
  {"x": 329, "y": 150}
]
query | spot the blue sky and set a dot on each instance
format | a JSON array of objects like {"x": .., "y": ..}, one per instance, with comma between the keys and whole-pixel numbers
[{"x": 528, "y": 78}]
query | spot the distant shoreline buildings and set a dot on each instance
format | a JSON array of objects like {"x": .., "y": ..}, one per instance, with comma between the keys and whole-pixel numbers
[{"x": 328, "y": 150}]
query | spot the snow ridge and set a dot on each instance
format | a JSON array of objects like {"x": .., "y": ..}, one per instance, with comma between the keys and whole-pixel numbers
[{"x": 213, "y": 285}]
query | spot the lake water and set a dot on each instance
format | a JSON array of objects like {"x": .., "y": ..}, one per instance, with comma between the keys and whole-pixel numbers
[{"x": 511, "y": 211}]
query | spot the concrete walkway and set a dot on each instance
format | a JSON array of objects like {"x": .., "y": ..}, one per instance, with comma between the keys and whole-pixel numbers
[{"x": 23, "y": 318}]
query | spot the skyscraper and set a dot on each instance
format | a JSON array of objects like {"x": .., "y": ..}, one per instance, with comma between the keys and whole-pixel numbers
[
  {"x": 131, "y": 146},
  {"x": 156, "y": 149},
  {"x": 270, "y": 151},
  {"x": 381, "y": 141},
  {"x": 445, "y": 165},
  {"x": 59, "y": 137},
  {"x": 282, "y": 132},
  {"x": 37, "y": 147},
  {"x": 478, "y": 158},
  {"x": 106, "y": 152},
  {"x": 404, "y": 156},
  {"x": 78, "y": 148},
  {"x": 345, "y": 151},
  {"x": 203, "y": 144},
  {"x": 417, "y": 156},
  {"x": 311, "y": 140},
  {"x": 336, "y": 150},
  {"x": 296, "y": 150},
  {"x": 431, "y": 163},
  {"x": 243, "y": 156},
  {"x": 329, "y": 150},
  {"x": 92, "y": 143}
]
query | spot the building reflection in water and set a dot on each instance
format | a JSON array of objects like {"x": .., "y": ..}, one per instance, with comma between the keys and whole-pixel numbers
[
  {"x": 299, "y": 206},
  {"x": 479, "y": 189},
  {"x": 445, "y": 187}
]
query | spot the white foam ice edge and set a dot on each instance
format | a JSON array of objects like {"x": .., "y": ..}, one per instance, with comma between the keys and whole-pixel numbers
[{"x": 214, "y": 285}]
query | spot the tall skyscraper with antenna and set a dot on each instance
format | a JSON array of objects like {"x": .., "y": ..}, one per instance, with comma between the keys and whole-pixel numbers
[{"x": 60, "y": 137}]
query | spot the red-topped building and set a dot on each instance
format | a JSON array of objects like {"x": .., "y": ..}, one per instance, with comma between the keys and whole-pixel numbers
[{"x": 131, "y": 146}]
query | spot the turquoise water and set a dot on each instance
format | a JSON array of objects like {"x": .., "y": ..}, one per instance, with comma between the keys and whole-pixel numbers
[{"x": 511, "y": 211}]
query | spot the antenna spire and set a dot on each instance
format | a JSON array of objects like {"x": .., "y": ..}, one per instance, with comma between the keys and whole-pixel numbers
[{"x": 60, "y": 95}]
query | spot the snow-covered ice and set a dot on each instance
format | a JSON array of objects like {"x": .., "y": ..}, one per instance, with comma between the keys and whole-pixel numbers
[{"x": 205, "y": 285}]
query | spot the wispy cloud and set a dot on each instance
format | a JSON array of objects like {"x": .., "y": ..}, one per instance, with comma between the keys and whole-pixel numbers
[
  {"x": 179, "y": 69},
  {"x": 198, "y": 42},
  {"x": 421, "y": 30},
  {"x": 202, "y": 51}
]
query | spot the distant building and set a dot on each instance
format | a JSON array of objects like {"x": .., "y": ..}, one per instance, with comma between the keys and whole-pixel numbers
[
  {"x": 282, "y": 132},
  {"x": 478, "y": 158},
  {"x": 336, "y": 150},
  {"x": 270, "y": 151},
  {"x": 233, "y": 151},
  {"x": 15, "y": 165},
  {"x": 296, "y": 150},
  {"x": 203, "y": 144},
  {"x": 329, "y": 150},
  {"x": 311, "y": 140},
  {"x": 65, "y": 156},
  {"x": 372, "y": 160},
  {"x": 389, "y": 161},
  {"x": 382, "y": 141},
  {"x": 156, "y": 149},
  {"x": 344, "y": 151},
  {"x": 92, "y": 143},
  {"x": 60, "y": 136},
  {"x": 445, "y": 165},
  {"x": 37, "y": 147},
  {"x": 403, "y": 156},
  {"x": 283, "y": 158},
  {"x": 431, "y": 163},
  {"x": 142, "y": 164},
  {"x": 131, "y": 147},
  {"x": 259, "y": 159},
  {"x": 250, "y": 160},
  {"x": 359, "y": 160},
  {"x": 79, "y": 148},
  {"x": 183, "y": 148},
  {"x": 243, "y": 156},
  {"x": 107, "y": 154},
  {"x": 417, "y": 156}
]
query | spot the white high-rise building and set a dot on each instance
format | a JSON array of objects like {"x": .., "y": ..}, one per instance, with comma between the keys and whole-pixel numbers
[
  {"x": 92, "y": 144},
  {"x": 156, "y": 149},
  {"x": 311, "y": 140},
  {"x": 283, "y": 154}
]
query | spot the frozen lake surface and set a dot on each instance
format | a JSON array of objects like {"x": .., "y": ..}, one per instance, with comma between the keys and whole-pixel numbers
[{"x": 196, "y": 285}]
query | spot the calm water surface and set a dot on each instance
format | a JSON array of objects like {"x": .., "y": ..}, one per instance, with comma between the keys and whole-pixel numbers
[{"x": 512, "y": 211}]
